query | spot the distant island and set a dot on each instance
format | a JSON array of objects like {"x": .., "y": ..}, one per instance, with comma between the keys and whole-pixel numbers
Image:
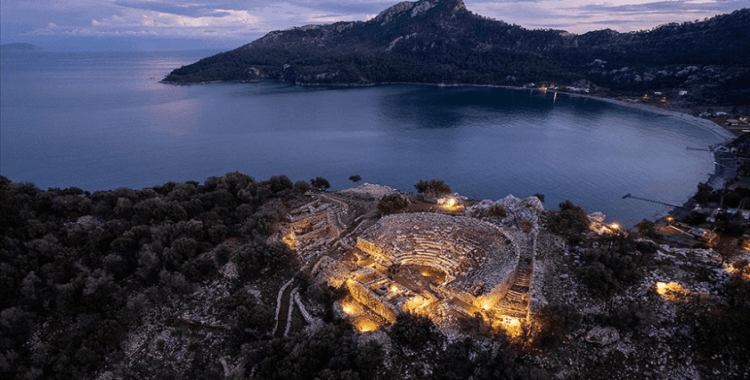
[
  {"x": 20, "y": 47},
  {"x": 441, "y": 42}
]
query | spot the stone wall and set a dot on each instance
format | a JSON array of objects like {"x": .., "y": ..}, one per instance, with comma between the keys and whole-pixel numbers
[{"x": 371, "y": 300}]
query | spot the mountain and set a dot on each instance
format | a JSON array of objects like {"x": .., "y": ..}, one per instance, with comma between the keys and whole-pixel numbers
[
  {"x": 19, "y": 47},
  {"x": 440, "y": 41}
]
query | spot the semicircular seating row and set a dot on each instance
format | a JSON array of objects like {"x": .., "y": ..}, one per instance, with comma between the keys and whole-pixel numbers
[{"x": 452, "y": 257}]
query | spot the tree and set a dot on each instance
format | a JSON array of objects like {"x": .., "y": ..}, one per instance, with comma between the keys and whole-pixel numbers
[
  {"x": 704, "y": 193},
  {"x": 414, "y": 331},
  {"x": 433, "y": 188},
  {"x": 570, "y": 222},
  {"x": 727, "y": 248},
  {"x": 392, "y": 204},
  {"x": 320, "y": 183},
  {"x": 647, "y": 228},
  {"x": 355, "y": 178},
  {"x": 540, "y": 196}
]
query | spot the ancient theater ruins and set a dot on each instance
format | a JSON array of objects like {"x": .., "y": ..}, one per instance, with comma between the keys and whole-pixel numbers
[{"x": 436, "y": 260}]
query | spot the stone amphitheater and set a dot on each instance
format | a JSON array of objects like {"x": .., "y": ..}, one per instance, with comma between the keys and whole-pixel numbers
[{"x": 445, "y": 267}]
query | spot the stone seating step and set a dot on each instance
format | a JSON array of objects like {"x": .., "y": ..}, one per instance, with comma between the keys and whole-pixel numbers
[
  {"x": 427, "y": 256},
  {"x": 523, "y": 280},
  {"x": 512, "y": 307},
  {"x": 520, "y": 289},
  {"x": 511, "y": 313}
]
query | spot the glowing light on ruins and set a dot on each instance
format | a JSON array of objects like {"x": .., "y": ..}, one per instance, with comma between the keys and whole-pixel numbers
[
  {"x": 290, "y": 240},
  {"x": 605, "y": 229},
  {"x": 425, "y": 264},
  {"x": 710, "y": 238},
  {"x": 450, "y": 204},
  {"x": 512, "y": 327},
  {"x": 350, "y": 307},
  {"x": 415, "y": 304},
  {"x": 485, "y": 303},
  {"x": 366, "y": 325},
  {"x": 730, "y": 268},
  {"x": 672, "y": 292}
]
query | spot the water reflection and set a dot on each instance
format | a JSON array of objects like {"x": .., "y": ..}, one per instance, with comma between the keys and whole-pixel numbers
[
  {"x": 106, "y": 124},
  {"x": 428, "y": 107}
]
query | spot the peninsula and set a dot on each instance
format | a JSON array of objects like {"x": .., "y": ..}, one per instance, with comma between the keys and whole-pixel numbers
[{"x": 442, "y": 42}]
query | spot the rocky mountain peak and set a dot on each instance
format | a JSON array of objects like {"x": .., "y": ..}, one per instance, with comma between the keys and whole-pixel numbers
[
  {"x": 440, "y": 41},
  {"x": 416, "y": 8},
  {"x": 387, "y": 15}
]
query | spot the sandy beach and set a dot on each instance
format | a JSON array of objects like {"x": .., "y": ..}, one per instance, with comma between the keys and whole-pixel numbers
[{"x": 687, "y": 118}]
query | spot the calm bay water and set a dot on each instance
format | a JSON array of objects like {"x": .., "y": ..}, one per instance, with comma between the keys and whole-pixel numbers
[{"x": 101, "y": 121}]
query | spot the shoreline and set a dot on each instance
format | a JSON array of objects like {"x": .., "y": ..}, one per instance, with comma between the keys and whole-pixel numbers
[
  {"x": 717, "y": 179},
  {"x": 714, "y": 127}
]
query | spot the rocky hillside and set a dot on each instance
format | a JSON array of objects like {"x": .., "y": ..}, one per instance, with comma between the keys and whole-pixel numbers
[
  {"x": 185, "y": 281},
  {"x": 440, "y": 41}
]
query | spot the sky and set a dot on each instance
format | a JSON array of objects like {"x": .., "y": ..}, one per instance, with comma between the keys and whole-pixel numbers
[{"x": 138, "y": 25}]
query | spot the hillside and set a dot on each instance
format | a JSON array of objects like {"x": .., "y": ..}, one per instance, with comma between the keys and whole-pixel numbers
[
  {"x": 193, "y": 281},
  {"x": 440, "y": 41}
]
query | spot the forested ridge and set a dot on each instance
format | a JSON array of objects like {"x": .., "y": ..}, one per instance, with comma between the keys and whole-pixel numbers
[
  {"x": 78, "y": 269},
  {"x": 440, "y": 41},
  {"x": 180, "y": 281}
]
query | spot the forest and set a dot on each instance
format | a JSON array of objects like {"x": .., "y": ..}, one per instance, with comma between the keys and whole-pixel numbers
[{"x": 84, "y": 274}]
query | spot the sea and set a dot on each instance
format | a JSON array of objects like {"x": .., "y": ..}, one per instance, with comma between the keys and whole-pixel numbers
[{"x": 101, "y": 121}]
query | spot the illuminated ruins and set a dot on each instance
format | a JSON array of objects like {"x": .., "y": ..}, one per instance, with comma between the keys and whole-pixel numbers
[{"x": 445, "y": 267}]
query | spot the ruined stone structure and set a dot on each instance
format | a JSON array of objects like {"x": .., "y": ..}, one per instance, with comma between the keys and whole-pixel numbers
[
  {"x": 442, "y": 266},
  {"x": 315, "y": 224},
  {"x": 423, "y": 262}
]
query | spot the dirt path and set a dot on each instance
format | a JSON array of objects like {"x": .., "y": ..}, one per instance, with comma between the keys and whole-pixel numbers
[{"x": 283, "y": 311}]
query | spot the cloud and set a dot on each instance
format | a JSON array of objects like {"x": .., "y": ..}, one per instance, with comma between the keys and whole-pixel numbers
[
  {"x": 581, "y": 16},
  {"x": 189, "y": 10},
  {"x": 131, "y": 21},
  {"x": 614, "y": 22},
  {"x": 219, "y": 18},
  {"x": 665, "y": 7},
  {"x": 241, "y": 21},
  {"x": 206, "y": 7}
]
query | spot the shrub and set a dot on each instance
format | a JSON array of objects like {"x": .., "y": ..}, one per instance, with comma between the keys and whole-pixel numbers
[
  {"x": 609, "y": 265},
  {"x": 570, "y": 222},
  {"x": 498, "y": 211},
  {"x": 646, "y": 228},
  {"x": 320, "y": 183},
  {"x": 392, "y": 204},
  {"x": 433, "y": 188},
  {"x": 302, "y": 186},
  {"x": 414, "y": 331}
]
